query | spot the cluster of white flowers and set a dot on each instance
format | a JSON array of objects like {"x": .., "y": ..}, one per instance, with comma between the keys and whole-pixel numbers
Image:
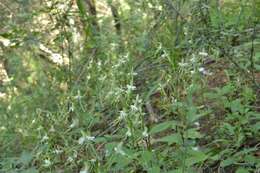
[
  {"x": 85, "y": 138},
  {"x": 57, "y": 151},
  {"x": 44, "y": 138},
  {"x": 130, "y": 88},
  {"x": 123, "y": 115},
  {"x": 204, "y": 71},
  {"x": 72, "y": 157},
  {"x": 183, "y": 64},
  {"x": 6, "y": 42},
  {"x": 54, "y": 57},
  {"x": 132, "y": 74},
  {"x": 134, "y": 108},
  {"x": 121, "y": 61}
]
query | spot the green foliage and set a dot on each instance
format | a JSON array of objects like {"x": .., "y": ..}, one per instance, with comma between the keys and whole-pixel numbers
[{"x": 176, "y": 90}]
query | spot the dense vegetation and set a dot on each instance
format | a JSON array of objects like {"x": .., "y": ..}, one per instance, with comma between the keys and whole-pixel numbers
[{"x": 129, "y": 86}]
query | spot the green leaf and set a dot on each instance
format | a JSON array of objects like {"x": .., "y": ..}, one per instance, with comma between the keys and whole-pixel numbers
[
  {"x": 236, "y": 106},
  {"x": 81, "y": 7},
  {"x": 257, "y": 67},
  {"x": 257, "y": 55},
  {"x": 176, "y": 171},
  {"x": 226, "y": 89},
  {"x": 242, "y": 170},
  {"x": 146, "y": 156},
  {"x": 175, "y": 138},
  {"x": 196, "y": 157},
  {"x": 154, "y": 170},
  {"x": 193, "y": 134},
  {"x": 193, "y": 114},
  {"x": 227, "y": 162},
  {"x": 26, "y": 158},
  {"x": 162, "y": 126},
  {"x": 30, "y": 170}
]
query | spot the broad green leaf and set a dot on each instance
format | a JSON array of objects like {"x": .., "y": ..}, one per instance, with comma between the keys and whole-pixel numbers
[
  {"x": 26, "y": 158},
  {"x": 227, "y": 162},
  {"x": 146, "y": 156},
  {"x": 236, "y": 106},
  {"x": 162, "y": 126},
  {"x": 257, "y": 67},
  {"x": 175, "y": 138},
  {"x": 196, "y": 157}
]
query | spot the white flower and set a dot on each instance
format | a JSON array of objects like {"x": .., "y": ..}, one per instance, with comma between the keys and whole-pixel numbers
[
  {"x": 2, "y": 95},
  {"x": 130, "y": 88},
  {"x": 2, "y": 128},
  {"x": 197, "y": 124},
  {"x": 193, "y": 59},
  {"x": 49, "y": 3},
  {"x": 203, "y": 53},
  {"x": 118, "y": 149},
  {"x": 122, "y": 114},
  {"x": 52, "y": 129},
  {"x": 203, "y": 71},
  {"x": 93, "y": 160},
  {"x": 183, "y": 64},
  {"x": 61, "y": 6},
  {"x": 128, "y": 133},
  {"x": 174, "y": 100},
  {"x": 45, "y": 138},
  {"x": 195, "y": 148},
  {"x": 5, "y": 42},
  {"x": 47, "y": 163},
  {"x": 145, "y": 133},
  {"x": 134, "y": 108},
  {"x": 83, "y": 139},
  {"x": 90, "y": 138},
  {"x": 57, "y": 58},
  {"x": 57, "y": 151},
  {"x": 70, "y": 159},
  {"x": 75, "y": 123}
]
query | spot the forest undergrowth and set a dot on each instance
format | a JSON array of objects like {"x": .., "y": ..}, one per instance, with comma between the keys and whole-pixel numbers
[{"x": 125, "y": 86}]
